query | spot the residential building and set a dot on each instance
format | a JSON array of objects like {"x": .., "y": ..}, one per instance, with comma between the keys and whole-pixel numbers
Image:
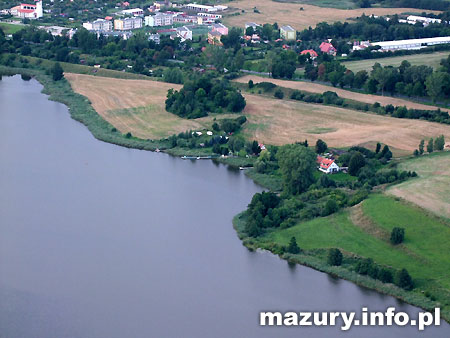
[
  {"x": 28, "y": 11},
  {"x": 327, "y": 48},
  {"x": 160, "y": 19},
  {"x": 214, "y": 38},
  {"x": 184, "y": 33},
  {"x": 99, "y": 25},
  {"x": 127, "y": 23},
  {"x": 156, "y": 38},
  {"x": 254, "y": 25},
  {"x": 218, "y": 27},
  {"x": 184, "y": 18},
  {"x": 312, "y": 53},
  {"x": 288, "y": 33},
  {"x": 326, "y": 165}
]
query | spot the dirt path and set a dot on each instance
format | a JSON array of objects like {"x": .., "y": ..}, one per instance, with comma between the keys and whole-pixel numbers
[{"x": 320, "y": 88}]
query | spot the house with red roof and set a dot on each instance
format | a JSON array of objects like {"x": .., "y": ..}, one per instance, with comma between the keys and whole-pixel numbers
[
  {"x": 312, "y": 53},
  {"x": 327, "y": 165},
  {"x": 327, "y": 48},
  {"x": 28, "y": 11}
]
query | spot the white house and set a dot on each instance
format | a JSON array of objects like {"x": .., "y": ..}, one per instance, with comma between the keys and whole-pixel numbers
[
  {"x": 327, "y": 165},
  {"x": 28, "y": 11},
  {"x": 184, "y": 33}
]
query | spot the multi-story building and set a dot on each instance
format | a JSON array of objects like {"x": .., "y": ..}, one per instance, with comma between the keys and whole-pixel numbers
[
  {"x": 160, "y": 19},
  {"x": 288, "y": 33},
  {"x": 99, "y": 25},
  {"x": 127, "y": 24},
  {"x": 218, "y": 27},
  {"x": 184, "y": 33}
]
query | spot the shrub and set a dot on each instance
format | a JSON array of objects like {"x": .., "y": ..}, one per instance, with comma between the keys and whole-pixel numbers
[
  {"x": 334, "y": 257},
  {"x": 397, "y": 235},
  {"x": 278, "y": 94}
]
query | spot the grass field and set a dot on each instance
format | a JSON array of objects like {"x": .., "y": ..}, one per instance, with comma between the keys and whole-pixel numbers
[
  {"x": 347, "y": 94},
  {"x": 429, "y": 59},
  {"x": 274, "y": 121},
  {"x": 8, "y": 28},
  {"x": 290, "y": 14},
  {"x": 431, "y": 190},
  {"x": 424, "y": 252}
]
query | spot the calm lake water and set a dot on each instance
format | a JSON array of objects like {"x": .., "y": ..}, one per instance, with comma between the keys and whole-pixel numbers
[{"x": 102, "y": 241}]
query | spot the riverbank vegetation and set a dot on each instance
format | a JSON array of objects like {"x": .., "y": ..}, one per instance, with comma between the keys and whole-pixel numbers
[{"x": 327, "y": 218}]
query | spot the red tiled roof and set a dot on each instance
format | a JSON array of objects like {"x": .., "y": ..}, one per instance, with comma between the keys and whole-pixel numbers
[
  {"x": 311, "y": 52},
  {"x": 25, "y": 10},
  {"x": 326, "y": 47},
  {"x": 323, "y": 162}
]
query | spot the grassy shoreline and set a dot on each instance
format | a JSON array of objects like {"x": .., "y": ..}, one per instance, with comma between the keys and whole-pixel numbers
[
  {"x": 81, "y": 110},
  {"x": 316, "y": 259}
]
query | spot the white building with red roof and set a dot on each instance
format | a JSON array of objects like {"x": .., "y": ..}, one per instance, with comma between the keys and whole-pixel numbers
[
  {"x": 326, "y": 165},
  {"x": 28, "y": 11},
  {"x": 328, "y": 48}
]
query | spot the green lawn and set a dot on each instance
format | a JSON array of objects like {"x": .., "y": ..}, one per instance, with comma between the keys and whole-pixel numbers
[
  {"x": 10, "y": 28},
  {"x": 429, "y": 59},
  {"x": 424, "y": 253}
]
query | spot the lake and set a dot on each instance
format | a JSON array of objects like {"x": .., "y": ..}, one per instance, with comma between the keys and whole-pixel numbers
[{"x": 100, "y": 241}]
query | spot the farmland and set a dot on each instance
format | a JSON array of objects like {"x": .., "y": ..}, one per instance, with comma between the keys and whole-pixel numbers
[
  {"x": 320, "y": 88},
  {"x": 431, "y": 190},
  {"x": 279, "y": 122},
  {"x": 290, "y": 13},
  {"x": 432, "y": 60},
  {"x": 140, "y": 109}
]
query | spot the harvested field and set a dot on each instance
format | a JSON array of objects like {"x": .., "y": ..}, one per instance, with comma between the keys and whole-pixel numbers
[
  {"x": 347, "y": 94},
  {"x": 279, "y": 122},
  {"x": 290, "y": 14},
  {"x": 135, "y": 106},
  {"x": 431, "y": 190},
  {"x": 428, "y": 59}
]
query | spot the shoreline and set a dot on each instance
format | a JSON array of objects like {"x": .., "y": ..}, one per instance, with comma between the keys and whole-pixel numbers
[{"x": 81, "y": 110}]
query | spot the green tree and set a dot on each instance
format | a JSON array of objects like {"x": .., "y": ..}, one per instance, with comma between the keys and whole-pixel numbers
[
  {"x": 279, "y": 94},
  {"x": 334, "y": 257},
  {"x": 297, "y": 164},
  {"x": 404, "y": 280},
  {"x": 430, "y": 145},
  {"x": 378, "y": 148},
  {"x": 439, "y": 143},
  {"x": 397, "y": 235},
  {"x": 330, "y": 207},
  {"x": 435, "y": 85},
  {"x": 57, "y": 72},
  {"x": 293, "y": 247},
  {"x": 416, "y": 152},
  {"x": 321, "y": 146},
  {"x": 421, "y": 146},
  {"x": 357, "y": 161},
  {"x": 385, "y": 275}
]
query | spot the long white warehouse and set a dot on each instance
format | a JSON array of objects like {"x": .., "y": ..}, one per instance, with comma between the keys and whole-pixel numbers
[{"x": 411, "y": 43}]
